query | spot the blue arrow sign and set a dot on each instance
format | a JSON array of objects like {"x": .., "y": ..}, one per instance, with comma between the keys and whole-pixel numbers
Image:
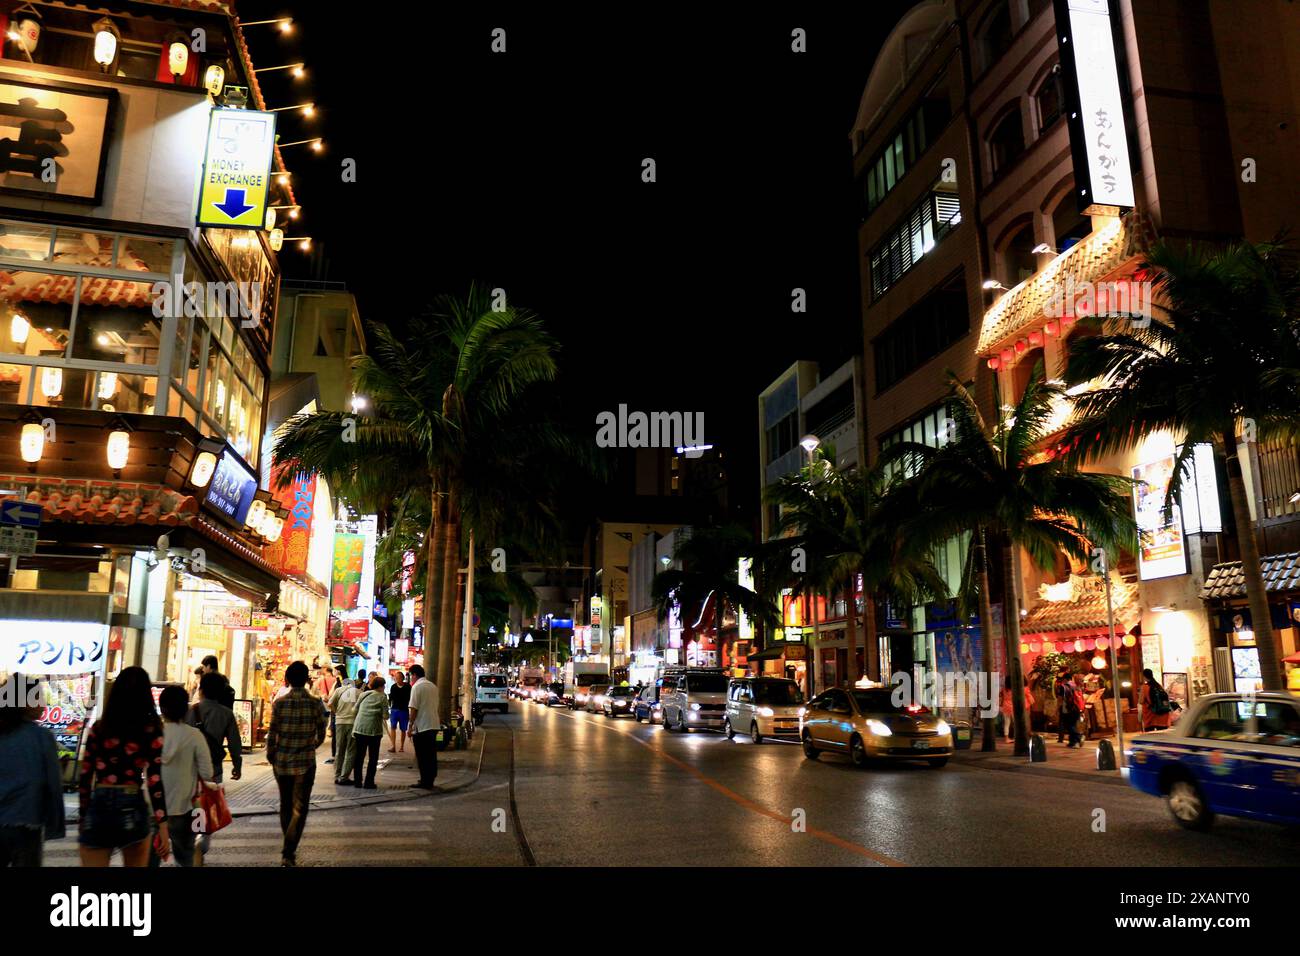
[
  {"x": 233, "y": 205},
  {"x": 21, "y": 513}
]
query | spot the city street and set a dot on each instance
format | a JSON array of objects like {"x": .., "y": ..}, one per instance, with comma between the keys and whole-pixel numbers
[{"x": 593, "y": 791}]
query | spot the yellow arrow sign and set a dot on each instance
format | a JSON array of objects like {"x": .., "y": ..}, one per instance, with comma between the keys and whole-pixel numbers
[{"x": 236, "y": 169}]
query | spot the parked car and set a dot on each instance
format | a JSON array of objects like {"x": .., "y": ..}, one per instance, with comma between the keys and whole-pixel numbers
[
  {"x": 1236, "y": 754},
  {"x": 618, "y": 701},
  {"x": 647, "y": 705},
  {"x": 595, "y": 698},
  {"x": 867, "y": 724},
  {"x": 694, "y": 697},
  {"x": 763, "y": 707},
  {"x": 491, "y": 691}
]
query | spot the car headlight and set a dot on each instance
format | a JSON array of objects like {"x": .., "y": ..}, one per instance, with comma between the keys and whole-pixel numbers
[
  {"x": 766, "y": 712},
  {"x": 878, "y": 728},
  {"x": 942, "y": 728},
  {"x": 695, "y": 706}
]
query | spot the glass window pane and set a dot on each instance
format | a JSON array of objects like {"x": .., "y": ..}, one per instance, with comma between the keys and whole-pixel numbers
[
  {"x": 35, "y": 312},
  {"x": 21, "y": 240},
  {"x": 115, "y": 322},
  {"x": 124, "y": 393},
  {"x": 219, "y": 385},
  {"x": 82, "y": 247},
  {"x": 145, "y": 255},
  {"x": 899, "y": 162},
  {"x": 889, "y": 169},
  {"x": 13, "y": 384},
  {"x": 182, "y": 347}
]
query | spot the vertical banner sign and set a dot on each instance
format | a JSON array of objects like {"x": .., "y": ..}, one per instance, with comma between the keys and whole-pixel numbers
[
  {"x": 236, "y": 169},
  {"x": 1103, "y": 176},
  {"x": 289, "y": 554},
  {"x": 345, "y": 584},
  {"x": 1162, "y": 550}
]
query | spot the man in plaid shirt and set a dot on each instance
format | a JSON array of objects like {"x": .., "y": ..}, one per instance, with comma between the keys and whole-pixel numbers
[{"x": 297, "y": 729}]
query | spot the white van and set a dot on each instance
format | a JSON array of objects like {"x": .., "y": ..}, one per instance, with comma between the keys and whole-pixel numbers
[
  {"x": 763, "y": 707},
  {"x": 491, "y": 690},
  {"x": 694, "y": 697}
]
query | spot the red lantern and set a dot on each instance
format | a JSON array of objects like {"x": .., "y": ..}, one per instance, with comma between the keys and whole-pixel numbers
[
  {"x": 1036, "y": 339},
  {"x": 1021, "y": 346},
  {"x": 1052, "y": 327},
  {"x": 994, "y": 362},
  {"x": 1008, "y": 357},
  {"x": 1089, "y": 644}
]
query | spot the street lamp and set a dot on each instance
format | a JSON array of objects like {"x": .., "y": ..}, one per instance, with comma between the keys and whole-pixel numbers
[
  {"x": 994, "y": 284},
  {"x": 285, "y": 24},
  {"x": 297, "y": 69},
  {"x": 316, "y": 143}
]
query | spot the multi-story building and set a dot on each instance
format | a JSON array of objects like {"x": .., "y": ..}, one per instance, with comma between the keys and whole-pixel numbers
[
  {"x": 797, "y": 413},
  {"x": 133, "y": 380}
]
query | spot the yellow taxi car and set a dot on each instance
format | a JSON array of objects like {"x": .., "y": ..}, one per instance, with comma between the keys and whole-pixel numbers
[{"x": 867, "y": 724}]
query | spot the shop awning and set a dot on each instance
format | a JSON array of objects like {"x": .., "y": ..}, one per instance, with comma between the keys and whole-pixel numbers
[
  {"x": 1226, "y": 581},
  {"x": 767, "y": 654},
  {"x": 1083, "y": 613}
]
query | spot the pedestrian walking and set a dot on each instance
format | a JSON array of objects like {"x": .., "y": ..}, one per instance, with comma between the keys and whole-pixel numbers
[
  {"x": 367, "y": 731},
  {"x": 424, "y": 727},
  {"x": 1071, "y": 710},
  {"x": 227, "y": 695},
  {"x": 219, "y": 726},
  {"x": 31, "y": 780},
  {"x": 341, "y": 676},
  {"x": 323, "y": 686},
  {"x": 399, "y": 713},
  {"x": 297, "y": 729},
  {"x": 1156, "y": 709},
  {"x": 186, "y": 762},
  {"x": 343, "y": 707},
  {"x": 122, "y": 760}
]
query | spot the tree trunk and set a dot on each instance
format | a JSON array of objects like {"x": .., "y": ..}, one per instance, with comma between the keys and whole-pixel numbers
[
  {"x": 871, "y": 637},
  {"x": 1270, "y": 656},
  {"x": 449, "y": 648},
  {"x": 1011, "y": 634},
  {"x": 431, "y": 616},
  {"x": 989, "y": 734},
  {"x": 851, "y": 629}
]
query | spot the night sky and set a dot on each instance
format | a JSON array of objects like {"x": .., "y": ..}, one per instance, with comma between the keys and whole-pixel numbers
[{"x": 523, "y": 170}]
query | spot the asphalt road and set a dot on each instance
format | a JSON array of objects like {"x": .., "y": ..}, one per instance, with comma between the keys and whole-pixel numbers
[{"x": 587, "y": 790}]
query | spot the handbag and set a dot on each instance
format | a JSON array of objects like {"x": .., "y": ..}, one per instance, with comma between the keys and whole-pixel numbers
[{"x": 211, "y": 804}]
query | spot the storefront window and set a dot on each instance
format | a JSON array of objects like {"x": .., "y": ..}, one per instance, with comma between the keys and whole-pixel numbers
[
  {"x": 14, "y": 382},
  {"x": 22, "y": 240},
  {"x": 35, "y": 312},
  {"x": 115, "y": 322}
]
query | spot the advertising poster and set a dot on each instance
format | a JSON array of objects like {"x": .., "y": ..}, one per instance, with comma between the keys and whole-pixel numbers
[
  {"x": 1162, "y": 551},
  {"x": 68, "y": 701},
  {"x": 289, "y": 553},
  {"x": 244, "y": 721},
  {"x": 345, "y": 582}
]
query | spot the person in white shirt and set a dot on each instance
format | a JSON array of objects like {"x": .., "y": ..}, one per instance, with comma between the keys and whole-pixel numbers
[
  {"x": 343, "y": 705},
  {"x": 186, "y": 759},
  {"x": 424, "y": 726}
]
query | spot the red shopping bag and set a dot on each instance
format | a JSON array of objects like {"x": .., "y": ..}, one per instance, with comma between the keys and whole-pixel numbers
[{"x": 214, "y": 812}]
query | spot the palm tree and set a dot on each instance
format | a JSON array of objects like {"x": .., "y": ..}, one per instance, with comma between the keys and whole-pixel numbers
[
  {"x": 439, "y": 397},
  {"x": 1225, "y": 357},
  {"x": 710, "y": 559},
  {"x": 847, "y": 522},
  {"x": 996, "y": 480}
]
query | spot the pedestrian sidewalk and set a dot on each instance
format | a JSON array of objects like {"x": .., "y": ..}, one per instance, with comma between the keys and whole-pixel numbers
[
  {"x": 256, "y": 793},
  {"x": 1062, "y": 761}
]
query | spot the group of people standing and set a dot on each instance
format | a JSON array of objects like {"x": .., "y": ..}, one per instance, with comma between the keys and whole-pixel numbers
[{"x": 361, "y": 713}]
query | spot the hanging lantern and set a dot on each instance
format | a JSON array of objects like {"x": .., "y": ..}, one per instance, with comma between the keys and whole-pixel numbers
[
  {"x": 19, "y": 328},
  {"x": 256, "y": 512},
  {"x": 107, "y": 385},
  {"x": 1052, "y": 327},
  {"x": 1129, "y": 640},
  {"x": 1035, "y": 646},
  {"x": 1036, "y": 338},
  {"x": 274, "y": 525},
  {"x": 1102, "y": 643},
  {"x": 178, "y": 58},
  {"x": 1008, "y": 356},
  {"x": 107, "y": 40},
  {"x": 1089, "y": 644},
  {"x": 995, "y": 363},
  {"x": 32, "y": 442},
  {"x": 205, "y": 463},
  {"x": 119, "y": 449},
  {"x": 269, "y": 222},
  {"x": 1024, "y": 648},
  {"x": 214, "y": 79},
  {"x": 1078, "y": 646},
  {"x": 27, "y": 26},
  {"x": 276, "y": 239},
  {"x": 1099, "y": 662},
  {"x": 1021, "y": 346},
  {"x": 52, "y": 382}
]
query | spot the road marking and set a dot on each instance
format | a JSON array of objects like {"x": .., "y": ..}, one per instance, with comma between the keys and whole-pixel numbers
[{"x": 743, "y": 801}]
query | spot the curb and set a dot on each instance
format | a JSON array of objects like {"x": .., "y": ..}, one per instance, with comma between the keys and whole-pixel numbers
[
  {"x": 1112, "y": 777},
  {"x": 394, "y": 796}
]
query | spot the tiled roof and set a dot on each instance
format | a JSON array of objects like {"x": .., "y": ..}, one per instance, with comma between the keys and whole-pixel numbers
[
  {"x": 207, "y": 6},
  {"x": 131, "y": 503},
  {"x": 1023, "y": 308},
  {"x": 1281, "y": 573},
  {"x": 1087, "y": 609}
]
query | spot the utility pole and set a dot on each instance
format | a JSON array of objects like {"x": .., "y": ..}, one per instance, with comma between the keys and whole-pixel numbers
[{"x": 467, "y": 644}]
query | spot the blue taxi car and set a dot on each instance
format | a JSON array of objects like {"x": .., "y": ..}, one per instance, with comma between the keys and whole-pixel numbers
[{"x": 1236, "y": 754}]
